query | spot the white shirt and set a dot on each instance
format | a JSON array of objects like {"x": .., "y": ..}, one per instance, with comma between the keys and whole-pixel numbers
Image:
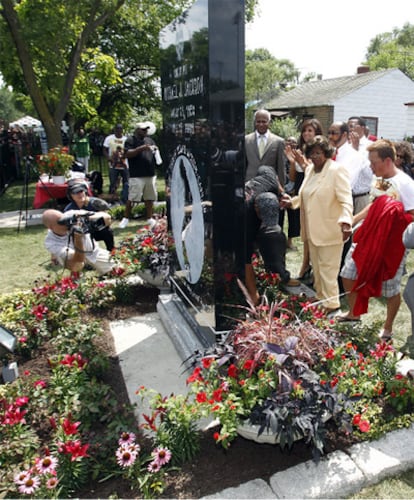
[
  {"x": 358, "y": 167},
  {"x": 400, "y": 187}
]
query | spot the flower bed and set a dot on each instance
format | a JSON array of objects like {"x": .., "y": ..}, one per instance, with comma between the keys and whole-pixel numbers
[{"x": 284, "y": 368}]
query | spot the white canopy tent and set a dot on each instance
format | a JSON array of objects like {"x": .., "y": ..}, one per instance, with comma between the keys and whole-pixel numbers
[{"x": 26, "y": 122}]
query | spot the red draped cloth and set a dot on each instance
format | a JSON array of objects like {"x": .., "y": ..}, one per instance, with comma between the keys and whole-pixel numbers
[{"x": 379, "y": 248}]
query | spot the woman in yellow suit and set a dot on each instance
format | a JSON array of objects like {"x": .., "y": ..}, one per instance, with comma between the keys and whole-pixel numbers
[{"x": 325, "y": 200}]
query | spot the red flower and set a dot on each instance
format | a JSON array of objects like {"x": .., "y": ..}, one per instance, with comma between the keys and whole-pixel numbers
[
  {"x": 74, "y": 448},
  {"x": 364, "y": 426},
  {"x": 70, "y": 428},
  {"x": 232, "y": 371},
  {"x": 217, "y": 395},
  {"x": 330, "y": 354},
  {"x": 216, "y": 436},
  {"x": 248, "y": 364},
  {"x": 206, "y": 362},
  {"x": 201, "y": 397},
  {"x": 195, "y": 376},
  {"x": 357, "y": 419}
]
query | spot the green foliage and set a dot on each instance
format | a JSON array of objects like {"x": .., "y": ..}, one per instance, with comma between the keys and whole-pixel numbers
[
  {"x": 173, "y": 421},
  {"x": 267, "y": 76},
  {"x": 393, "y": 50}
]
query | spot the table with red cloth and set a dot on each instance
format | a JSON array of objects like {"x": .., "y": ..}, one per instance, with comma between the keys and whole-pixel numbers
[{"x": 46, "y": 191}]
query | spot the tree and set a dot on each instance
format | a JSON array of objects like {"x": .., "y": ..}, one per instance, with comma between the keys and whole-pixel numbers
[
  {"x": 88, "y": 57},
  {"x": 267, "y": 76},
  {"x": 393, "y": 49},
  {"x": 49, "y": 52}
]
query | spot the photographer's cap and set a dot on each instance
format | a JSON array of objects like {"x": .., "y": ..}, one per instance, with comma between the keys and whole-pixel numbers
[{"x": 75, "y": 186}]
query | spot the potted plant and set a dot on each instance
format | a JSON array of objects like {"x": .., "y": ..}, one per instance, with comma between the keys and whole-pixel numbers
[
  {"x": 56, "y": 163},
  {"x": 148, "y": 252},
  {"x": 278, "y": 377}
]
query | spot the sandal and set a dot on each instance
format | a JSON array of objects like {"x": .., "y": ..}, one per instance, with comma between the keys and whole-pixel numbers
[{"x": 385, "y": 336}]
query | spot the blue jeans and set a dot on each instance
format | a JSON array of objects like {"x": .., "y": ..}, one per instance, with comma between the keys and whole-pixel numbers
[{"x": 114, "y": 174}]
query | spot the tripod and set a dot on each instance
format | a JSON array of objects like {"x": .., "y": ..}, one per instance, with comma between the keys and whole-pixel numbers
[{"x": 24, "y": 200}]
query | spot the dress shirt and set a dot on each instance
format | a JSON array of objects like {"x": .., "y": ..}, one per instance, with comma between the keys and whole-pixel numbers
[{"x": 358, "y": 167}]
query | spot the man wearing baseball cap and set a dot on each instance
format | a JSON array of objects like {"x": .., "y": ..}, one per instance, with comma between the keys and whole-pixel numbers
[
  {"x": 140, "y": 150},
  {"x": 78, "y": 194}
]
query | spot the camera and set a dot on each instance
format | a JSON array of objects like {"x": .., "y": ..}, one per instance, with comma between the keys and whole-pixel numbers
[{"x": 82, "y": 223}]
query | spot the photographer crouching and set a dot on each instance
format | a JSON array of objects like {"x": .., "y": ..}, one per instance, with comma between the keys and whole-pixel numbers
[
  {"x": 69, "y": 239},
  {"x": 77, "y": 193}
]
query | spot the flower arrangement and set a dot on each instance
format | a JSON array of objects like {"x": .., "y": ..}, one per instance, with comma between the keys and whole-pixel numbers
[
  {"x": 57, "y": 161},
  {"x": 148, "y": 249},
  {"x": 291, "y": 377}
]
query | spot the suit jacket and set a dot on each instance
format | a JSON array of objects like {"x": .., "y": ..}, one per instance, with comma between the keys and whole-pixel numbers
[
  {"x": 329, "y": 205},
  {"x": 274, "y": 156}
]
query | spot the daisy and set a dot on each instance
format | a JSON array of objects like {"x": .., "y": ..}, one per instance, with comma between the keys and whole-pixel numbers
[
  {"x": 154, "y": 466},
  {"x": 52, "y": 483},
  {"x": 126, "y": 438},
  {"x": 125, "y": 457},
  {"x": 30, "y": 485},
  {"x": 21, "y": 477},
  {"x": 46, "y": 464},
  {"x": 161, "y": 455}
]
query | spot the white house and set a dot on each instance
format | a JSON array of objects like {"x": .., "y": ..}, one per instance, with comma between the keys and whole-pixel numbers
[{"x": 385, "y": 99}]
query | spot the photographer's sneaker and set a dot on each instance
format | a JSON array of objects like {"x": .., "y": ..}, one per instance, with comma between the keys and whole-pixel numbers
[
  {"x": 151, "y": 222},
  {"x": 124, "y": 222}
]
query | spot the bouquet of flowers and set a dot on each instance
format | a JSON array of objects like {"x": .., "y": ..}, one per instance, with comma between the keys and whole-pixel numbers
[{"x": 57, "y": 161}]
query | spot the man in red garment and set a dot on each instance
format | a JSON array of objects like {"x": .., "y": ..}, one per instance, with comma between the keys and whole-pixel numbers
[{"x": 388, "y": 181}]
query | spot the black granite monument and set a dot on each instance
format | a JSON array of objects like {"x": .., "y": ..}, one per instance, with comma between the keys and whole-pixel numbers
[{"x": 202, "y": 85}]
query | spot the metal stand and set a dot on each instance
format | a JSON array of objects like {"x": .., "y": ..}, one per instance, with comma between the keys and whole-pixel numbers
[{"x": 24, "y": 200}]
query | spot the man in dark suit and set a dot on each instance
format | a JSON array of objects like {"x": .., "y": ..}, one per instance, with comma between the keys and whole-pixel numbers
[{"x": 264, "y": 148}]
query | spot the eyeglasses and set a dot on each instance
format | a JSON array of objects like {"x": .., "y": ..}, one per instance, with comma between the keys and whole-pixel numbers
[
  {"x": 333, "y": 132},
  {"x": 399, "y": 156}
]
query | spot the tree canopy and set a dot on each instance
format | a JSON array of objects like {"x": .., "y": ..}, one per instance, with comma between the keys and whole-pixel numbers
[
  {"x": 96, "y": 59},
  {"x": 393, "y": 49}
]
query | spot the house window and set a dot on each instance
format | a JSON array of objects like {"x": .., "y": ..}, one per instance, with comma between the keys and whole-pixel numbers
[{"x": 372, "y": 124}]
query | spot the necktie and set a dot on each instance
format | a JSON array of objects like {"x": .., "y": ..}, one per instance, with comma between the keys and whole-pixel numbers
[{"x": 262, "y": 145}]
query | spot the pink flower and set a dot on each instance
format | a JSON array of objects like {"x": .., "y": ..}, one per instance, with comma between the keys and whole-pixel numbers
[
  {"x": 125, "y": 456},
  {"x": 46, "y": 465},
  {"x": 154, "y": 467},
  {"x": 30, "y": 485},
  {"x": 21, "y": 477},
  {"x": 40, "y": 383},
  {"x": 161, "y": 455},
  {"x": 52, "y": 482},
  {"x": 126, "y": 438},
  {"x": 364, "y": 426},
  {"x": 21, "y": 401}
]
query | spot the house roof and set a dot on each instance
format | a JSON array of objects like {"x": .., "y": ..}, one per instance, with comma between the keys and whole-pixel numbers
[{"x": 323, "y": 92}]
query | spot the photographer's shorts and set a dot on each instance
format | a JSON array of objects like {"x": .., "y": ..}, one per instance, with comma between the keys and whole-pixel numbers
[{"x": 142, "y": 188}]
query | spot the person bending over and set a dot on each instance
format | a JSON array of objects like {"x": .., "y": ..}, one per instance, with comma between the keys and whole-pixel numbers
[
  {"x": 77, "y": 193},
  {"x": 69, "y": 239}
]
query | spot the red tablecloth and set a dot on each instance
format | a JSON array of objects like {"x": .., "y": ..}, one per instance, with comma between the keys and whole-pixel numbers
[{"x": 46, "y": 191}]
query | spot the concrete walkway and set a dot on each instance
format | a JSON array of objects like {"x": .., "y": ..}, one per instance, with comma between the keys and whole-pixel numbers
[{"x": 149, "y": 357}]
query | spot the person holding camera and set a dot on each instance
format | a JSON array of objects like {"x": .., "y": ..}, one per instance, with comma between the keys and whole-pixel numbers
[
  {"x": 77, "y": 193},
  {"x": 70, "y": 242}
]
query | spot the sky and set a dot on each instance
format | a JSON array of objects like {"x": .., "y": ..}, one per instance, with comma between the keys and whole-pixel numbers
[{"x": 322, "y": 36}]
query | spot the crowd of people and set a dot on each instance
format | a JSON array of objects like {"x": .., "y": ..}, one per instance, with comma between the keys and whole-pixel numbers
[
  {"x": 348, "y": 197},
  {"x": 351, "y": 199}
]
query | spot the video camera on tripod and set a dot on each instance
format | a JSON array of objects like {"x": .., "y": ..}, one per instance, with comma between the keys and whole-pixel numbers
[{"x": 82, "y": 222}]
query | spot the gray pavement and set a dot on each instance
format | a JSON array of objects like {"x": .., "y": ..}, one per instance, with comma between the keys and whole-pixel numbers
[{"x": 150, "y": 356}]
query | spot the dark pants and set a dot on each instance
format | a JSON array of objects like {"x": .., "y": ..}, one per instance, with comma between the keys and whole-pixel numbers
[
  {"x": 106, "y": 235},
  {"x": 114, "y": 174},
  {"x": 272, "y": 247}
]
